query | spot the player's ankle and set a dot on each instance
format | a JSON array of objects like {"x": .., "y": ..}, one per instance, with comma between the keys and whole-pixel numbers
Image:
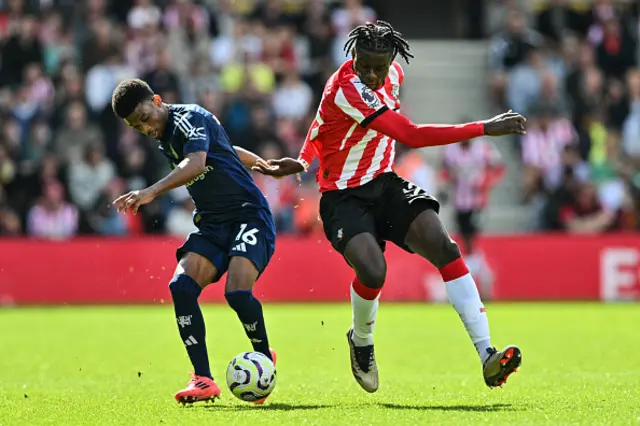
[{"x": 362, "y": 339}]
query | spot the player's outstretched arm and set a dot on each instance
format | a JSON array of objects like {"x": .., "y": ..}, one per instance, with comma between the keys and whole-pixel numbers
[
  {"x": 400, "y": 128},
  {"x": 248, "y": 158},
  {"x": 191, "y": 167},
  {"x": 280, "y": 168}
]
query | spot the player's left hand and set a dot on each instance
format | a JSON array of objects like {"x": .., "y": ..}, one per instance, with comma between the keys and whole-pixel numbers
[
  {"x": 279, "y": 168},
  {"x": 133, "y": 200},
  {"x": 509, "y": 123}
]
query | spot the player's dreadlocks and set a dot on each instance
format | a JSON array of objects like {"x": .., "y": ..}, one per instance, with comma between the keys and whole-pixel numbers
[
  {"x": 379, "y": 38},
  {"x": 128, "y": 95}
]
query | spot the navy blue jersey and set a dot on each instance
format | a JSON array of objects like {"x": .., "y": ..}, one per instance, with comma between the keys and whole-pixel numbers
[{"x": 226, "y": 190}]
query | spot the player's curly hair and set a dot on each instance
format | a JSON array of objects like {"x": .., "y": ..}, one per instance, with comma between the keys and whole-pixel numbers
[
  {"x": 128, "y": 95},
  {"x": 379, "y": 38}
]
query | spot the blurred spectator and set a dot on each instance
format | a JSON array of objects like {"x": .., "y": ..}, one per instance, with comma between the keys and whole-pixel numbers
[
  {"x": 10, "y": 225},
  {"x": 511, "y": 48},
  {"x": 161, "y": 78},
  {"x": 88, "y": 178},
  {"x": 187, "y": 35},
  {"x": 52, "y": 217},
  {"x": 8, "y": 169},
  {"x": 143, "y": 48},
  {"x": 103, "y": 78},
  {"x": 57, "y": 43},
  {"x": 278, "y": 50},
  {"x": 616, "y": 51},
  {"x": 260, "y": 129},
  {"x": 559, "y": 18},
  {"x": 73, "y": 138},
  {"x": 100, "y": 44},
  {"x": 20, "y": 50},
  {"x": 584, "y": 83},
  {"x": 496, "y": 12},
  {"x": 585, "y": 214},
  {"x": 185, "y": 13},
  {"x": 271, "y": 13},
  {"x": 247, "y": 73},
  {"x": 37, "y": 144},
  {"x": 631, "y": 126},
  {"x": 319, "y": 34},
  {"x": 532, "y": 82},
  {"x": 542, "y": 147},
  {"x": 201, "y": 81},
  {"x": 180, "y": 218},
  {"x": 292, "y": 99},
  {"x": 229, "y": 47},
  {"x": 143, "y": 13},
  {"x": 352, "y": 14},
  {"x": 103, "y": 217}
]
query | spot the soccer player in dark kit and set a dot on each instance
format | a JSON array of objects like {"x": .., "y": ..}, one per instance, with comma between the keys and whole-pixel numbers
[
  {"x": 236, "y": 232},
  {"x": 364, "y": 203}
]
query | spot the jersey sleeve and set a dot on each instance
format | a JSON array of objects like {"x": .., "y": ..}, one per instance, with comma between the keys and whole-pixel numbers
[
  {"x": 359, "y": 102},
  {"x": 311, "y": 147},
  {"x": 196, "y": 133}
]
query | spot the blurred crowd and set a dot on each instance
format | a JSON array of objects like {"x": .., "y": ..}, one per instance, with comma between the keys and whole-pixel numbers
[
  {"x": 572, "y": 68},
  {"x": 260, "y": 65}
]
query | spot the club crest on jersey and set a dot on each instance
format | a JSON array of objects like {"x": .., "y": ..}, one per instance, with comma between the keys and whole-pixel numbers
[
  {"x": 369, "y": 97},
  {"x": 395, "y": 92}
]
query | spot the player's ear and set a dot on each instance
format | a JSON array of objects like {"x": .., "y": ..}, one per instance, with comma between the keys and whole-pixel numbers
[{"x": 157, "y": 100}]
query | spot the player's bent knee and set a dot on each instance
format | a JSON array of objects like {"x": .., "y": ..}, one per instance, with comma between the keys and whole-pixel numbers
[
  {"x": 449, "y": 252},
  {"x": 184, "y": 285},
  {"x": 198, "y": 267},
  {"x": 242, "y": 274},
  {"x": 373, "y": 276}
]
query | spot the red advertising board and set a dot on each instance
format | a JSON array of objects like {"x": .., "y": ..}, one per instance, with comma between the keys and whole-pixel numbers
[{"x": 527, "y": 267}]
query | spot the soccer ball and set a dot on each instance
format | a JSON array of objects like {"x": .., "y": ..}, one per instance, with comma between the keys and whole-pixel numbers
[{"x": 251, "y": 376}]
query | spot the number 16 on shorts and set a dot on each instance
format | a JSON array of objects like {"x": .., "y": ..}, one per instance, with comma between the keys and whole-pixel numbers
[{"x": 246, "y": 237}]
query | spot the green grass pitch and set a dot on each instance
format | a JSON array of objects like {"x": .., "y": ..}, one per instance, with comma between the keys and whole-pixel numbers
[{"x": 121, "y": 365}]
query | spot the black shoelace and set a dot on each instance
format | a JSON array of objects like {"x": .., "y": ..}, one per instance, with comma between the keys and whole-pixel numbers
[{"x": 365, "y": 357}]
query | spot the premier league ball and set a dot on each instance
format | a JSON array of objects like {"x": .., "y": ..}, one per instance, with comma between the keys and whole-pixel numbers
[{"x": 251, "y": 376}]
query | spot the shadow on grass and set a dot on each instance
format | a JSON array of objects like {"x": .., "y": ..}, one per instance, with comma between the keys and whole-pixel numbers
[
  {"x": 468, "y": 408},
  {"x": 276, "y": 406}
]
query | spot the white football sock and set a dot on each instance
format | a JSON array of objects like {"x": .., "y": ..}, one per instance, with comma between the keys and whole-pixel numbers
[
  {"x": 364, "y": 318},
  {"x": 463, "y": 295}
]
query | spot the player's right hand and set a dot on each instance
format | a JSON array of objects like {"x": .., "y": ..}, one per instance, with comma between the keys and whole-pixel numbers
[
  {"x": 509, "y": 123},
  {"x": 279, "y": 168}
]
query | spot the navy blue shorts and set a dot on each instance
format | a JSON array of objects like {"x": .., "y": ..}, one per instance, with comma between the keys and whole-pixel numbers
[{"x": 253, "y": 238}]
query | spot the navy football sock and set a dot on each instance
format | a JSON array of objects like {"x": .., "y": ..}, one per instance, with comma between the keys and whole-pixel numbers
[
  {"x": 249, "y": 312},
  {"x": 185, "y": 292}
]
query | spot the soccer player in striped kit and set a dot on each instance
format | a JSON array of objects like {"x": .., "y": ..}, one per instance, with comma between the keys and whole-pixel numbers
[{"x": 364, "y": 203}]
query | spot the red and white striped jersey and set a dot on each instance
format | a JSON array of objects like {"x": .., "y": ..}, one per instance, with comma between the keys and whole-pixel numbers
[
  {"x": 350, "y": 153},
  {"x": 470, "y": 171}
]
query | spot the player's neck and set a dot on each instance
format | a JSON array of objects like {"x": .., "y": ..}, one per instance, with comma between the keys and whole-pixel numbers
[{"x": 165, "y": 113}]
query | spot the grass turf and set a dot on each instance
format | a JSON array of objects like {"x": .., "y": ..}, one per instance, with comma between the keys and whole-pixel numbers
[{"x": 121, "y": 365}]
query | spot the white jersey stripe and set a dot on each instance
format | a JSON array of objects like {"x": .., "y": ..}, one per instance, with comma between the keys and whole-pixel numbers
[
  {"x": 388, "y": 100},
  {"x": 346, "y": 138},
  {"x": 342, "y": 102},
  {"x": 394, "y": 76},
  {"x": 392, "y": 156},
  {"x": 316, "y": 129},
  {"x": 376, "y": 161},
  {"x": 353, "y": 159},
  {"x": 183, "y": 124}
]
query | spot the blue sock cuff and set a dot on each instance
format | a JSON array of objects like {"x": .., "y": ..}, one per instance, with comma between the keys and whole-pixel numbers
[
  {"x": 239, "y": 292},
  {"x": 185, "y": 284},
  {"x": 238, "y": 296}
]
